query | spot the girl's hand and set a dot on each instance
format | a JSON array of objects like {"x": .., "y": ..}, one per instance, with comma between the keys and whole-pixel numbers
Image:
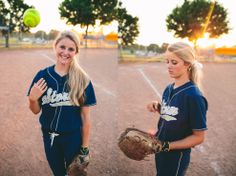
[
  {"x": 37, "y": 90},
  {"x": 154, "y": 106}
]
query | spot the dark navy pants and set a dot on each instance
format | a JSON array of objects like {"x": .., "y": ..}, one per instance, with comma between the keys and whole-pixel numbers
[
  {"x": 65, "y": 147},
  {"x": 173, "y": 163}
]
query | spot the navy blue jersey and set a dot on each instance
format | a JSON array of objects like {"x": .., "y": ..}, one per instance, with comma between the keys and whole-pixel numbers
[
  {"x": 58, "y": 114},
  {"x": 183, "y": 110}
]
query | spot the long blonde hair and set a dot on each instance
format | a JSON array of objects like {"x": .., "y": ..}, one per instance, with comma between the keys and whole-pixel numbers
[
  {"x": 188, "y": 55},
  {"x": 78, "y": 79}
]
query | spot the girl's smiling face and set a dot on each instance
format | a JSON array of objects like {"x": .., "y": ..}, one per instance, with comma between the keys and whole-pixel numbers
[{"x": 65, "y": 51}]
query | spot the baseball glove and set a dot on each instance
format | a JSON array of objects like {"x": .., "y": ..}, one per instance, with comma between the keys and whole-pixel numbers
[
  {"x": 78, "y": 167},
  {"x": 137, "y": 144}
]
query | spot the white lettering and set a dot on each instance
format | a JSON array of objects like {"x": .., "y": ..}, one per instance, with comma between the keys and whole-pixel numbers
[
  {"x": 56, "y": 99},
  {"x": 167, "y": 112}
]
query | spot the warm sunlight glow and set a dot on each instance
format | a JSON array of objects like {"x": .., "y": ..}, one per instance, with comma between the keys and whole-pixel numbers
[
  {"x": 155, "y": 31},
  {"x": 111, "y": 28},
  {"x": 205, "y": 41},
  {"x": 105, "y": 29}
]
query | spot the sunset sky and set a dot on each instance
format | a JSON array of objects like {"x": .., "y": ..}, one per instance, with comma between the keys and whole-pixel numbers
[
  {"x": 151, "y": 13},
  {"x": 152, "y": 25}
]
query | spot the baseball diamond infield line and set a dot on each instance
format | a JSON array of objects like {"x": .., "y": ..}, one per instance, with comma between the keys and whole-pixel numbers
[{"x": 149, "y": 83}]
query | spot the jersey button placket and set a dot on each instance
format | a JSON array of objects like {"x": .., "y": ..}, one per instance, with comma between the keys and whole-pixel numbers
[
  {"x": 61, "y": 90},
  {"x": 60, "y": 83}
]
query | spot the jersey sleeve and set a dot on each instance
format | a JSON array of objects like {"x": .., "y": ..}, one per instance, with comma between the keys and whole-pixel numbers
[
  {"x": 197, "y": 107},
  {"x": 90, "y": 98},
  {"x": 37, "y": 77}
]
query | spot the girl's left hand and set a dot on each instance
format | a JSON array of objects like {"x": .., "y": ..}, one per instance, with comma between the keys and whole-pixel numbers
[{"x": 37, "y": 90}]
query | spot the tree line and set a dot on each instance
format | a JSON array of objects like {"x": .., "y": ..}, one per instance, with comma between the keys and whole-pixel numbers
[
  {"x": 74, "y": 12},
  {"x": 190, "y": 20}
]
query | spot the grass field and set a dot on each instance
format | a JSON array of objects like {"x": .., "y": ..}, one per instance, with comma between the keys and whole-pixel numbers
[{"x": 126, "y": 58}]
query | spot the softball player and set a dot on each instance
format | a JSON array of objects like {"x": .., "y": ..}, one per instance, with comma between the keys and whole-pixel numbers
[
  {"x": 183, "y": 109},
  {"x": 64, "y": 94}
]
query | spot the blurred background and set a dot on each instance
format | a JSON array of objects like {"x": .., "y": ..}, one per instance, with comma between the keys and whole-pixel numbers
[
  {"x": 122, "y": 45},
  {"x": 146, "y": 28},
  {"x": 151, "y": 25},
  {"x": 96, "y": 24}
]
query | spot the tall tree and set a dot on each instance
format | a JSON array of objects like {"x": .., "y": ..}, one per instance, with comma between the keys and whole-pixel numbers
[
  {"x": 196, "y": 17},
  {"x": 105, "y": 10},
  {"x": 4, "y": 29},
  {"x": 86, "y": 12},
  {"x": 11, "y": 13},
  {"x": 127, "y": 26},
  {"x": 3, "y": 12}
]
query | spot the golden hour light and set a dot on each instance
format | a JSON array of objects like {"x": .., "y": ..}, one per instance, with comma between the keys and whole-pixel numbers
[
  {"x": 155, "y": 31},
  {"x": 206, "y": 41}
]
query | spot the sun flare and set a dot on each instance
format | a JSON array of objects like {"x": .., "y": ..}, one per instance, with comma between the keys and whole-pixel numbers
[{"x": 206, "y": 42}]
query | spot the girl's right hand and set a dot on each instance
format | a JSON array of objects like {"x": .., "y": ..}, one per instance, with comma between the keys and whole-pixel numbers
[
  {"x": 153, "y": 106},
  {"x": 37, "y": 90}
]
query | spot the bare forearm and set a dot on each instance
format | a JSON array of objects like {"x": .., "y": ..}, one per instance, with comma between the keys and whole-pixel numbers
[
  {"x": 34, "y": 106},
  {"x": 85, "y": 114},
  {"x": 85, "y": 134},
  {"x": 187, "y": 142}
]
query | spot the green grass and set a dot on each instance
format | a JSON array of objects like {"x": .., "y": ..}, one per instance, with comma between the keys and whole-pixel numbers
[{"x": 124, "y": 59}]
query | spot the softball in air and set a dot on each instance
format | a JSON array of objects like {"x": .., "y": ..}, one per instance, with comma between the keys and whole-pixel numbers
[{"x": 31, "y": 17}]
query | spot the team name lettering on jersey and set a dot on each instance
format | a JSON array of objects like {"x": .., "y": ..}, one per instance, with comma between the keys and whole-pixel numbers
[
  {"x": 56, "y": 99},
  {"x": 167, "y": 112}
]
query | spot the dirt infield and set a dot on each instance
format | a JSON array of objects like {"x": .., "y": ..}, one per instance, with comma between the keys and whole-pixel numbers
[
  {"x": 143, "y": 82},
  {"x": 122, "y": 92},
  {"x": 21, "y": 146}
]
